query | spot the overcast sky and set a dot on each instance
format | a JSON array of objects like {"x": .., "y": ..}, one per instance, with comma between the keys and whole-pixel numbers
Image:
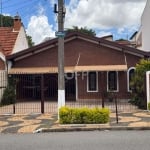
[{"x": 118, "y": 17}]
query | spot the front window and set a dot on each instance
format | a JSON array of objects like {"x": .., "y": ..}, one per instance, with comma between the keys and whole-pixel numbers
[
  {"x": 112, "y": 81},
  {"x": 92, "y": 82}
]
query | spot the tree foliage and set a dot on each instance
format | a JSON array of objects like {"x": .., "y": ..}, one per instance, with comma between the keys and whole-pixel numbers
[
  {"x": 30, "y": 42},
  {"x": 7, "y": 21},
  {"x": 84, "y": 30},
  {"x": 138, "y": 83}
]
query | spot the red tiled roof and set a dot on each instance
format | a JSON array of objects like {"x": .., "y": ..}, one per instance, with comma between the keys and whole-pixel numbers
[{"x": 7, "y": 40}]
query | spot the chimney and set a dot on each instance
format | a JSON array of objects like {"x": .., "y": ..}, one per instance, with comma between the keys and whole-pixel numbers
[{"x": 17, "y": 23}]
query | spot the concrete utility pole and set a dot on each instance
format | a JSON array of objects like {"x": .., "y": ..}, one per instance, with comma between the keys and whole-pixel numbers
[{"x": 60, "y": 34}]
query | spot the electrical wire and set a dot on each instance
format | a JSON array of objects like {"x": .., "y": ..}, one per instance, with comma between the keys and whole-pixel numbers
[
  {"x": 27, "y": 5},
  {"x": 25, "y": 2}
]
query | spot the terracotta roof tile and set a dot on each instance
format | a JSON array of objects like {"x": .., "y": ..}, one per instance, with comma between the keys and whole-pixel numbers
[{"x": 7, "y": 40}]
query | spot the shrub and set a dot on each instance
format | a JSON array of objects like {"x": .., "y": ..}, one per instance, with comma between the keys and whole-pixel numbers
[
  {"x": 83, "y": 115},
  {"x": 65, "y": 114},
  {"x": 9, "y": 95},
  {"x": 138, "y": 83},
  {"x": 149, "y": 106}
]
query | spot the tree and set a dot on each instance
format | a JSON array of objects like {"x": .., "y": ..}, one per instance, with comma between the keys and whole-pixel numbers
[
  {"x": 30, "y": 42},
  {"x": 84, "y": 30},
  {"x": 138, "y": 83},
  {"x": 7, "y": 21}
]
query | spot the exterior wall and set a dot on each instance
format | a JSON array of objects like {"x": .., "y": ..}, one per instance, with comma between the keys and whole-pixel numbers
[
  {"x": 145, "y": 27},
  {"x": 82, "y": 88},
  {"x": 21, "y": 41},
  {"x": 84, "y": 95},
  {"x": 92, "y": 54},
  {"x": 43, "y": 59},
  {"x": 132, "y": 60},
  {"x": 143, "y": 35},
  {"x": 87, "y": 53}
]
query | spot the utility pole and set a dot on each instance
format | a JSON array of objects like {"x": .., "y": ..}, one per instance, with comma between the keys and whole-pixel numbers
[{"x": 60, "y": 34}]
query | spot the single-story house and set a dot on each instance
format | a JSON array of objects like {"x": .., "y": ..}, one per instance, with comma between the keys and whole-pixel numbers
[{"x": 93, "y": 66}]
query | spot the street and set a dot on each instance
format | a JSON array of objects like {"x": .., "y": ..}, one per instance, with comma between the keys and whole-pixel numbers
[{"x": 96, "y": 140}]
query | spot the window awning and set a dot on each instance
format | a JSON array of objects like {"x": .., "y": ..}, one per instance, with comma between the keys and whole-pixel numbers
[
  {"x": 41, "y": 70},
  {"x": 38, "y": 70},
  {"x": 101, "y": 68}
]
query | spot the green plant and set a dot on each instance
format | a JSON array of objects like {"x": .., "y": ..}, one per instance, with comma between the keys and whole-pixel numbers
[
  {"x": 149, "y": 106},
  {"x": 83, "y": 115},
  {"x": 9, "y": 95},
  {"x": 138, "y": 83},
  {"x": 65, "y": 114}
]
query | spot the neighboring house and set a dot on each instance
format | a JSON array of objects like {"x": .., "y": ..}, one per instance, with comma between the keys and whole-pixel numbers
[
  {"x": 95, "y": 66},
  {"x": 12, "y": 40},
  {"x": 141, "y": 38},
  {"x": 120, "y": 41}
]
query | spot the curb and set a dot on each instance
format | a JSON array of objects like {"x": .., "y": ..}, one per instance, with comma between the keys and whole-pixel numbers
[{"x": 116, "y": 128}]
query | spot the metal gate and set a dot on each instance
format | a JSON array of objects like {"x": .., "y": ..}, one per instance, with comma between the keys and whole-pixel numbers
[{"x": 3, "y": 82}]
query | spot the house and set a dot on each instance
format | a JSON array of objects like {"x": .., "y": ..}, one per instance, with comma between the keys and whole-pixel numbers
[
  {"x": 93, "y": 66},
  {"x": 141, "y": 38},
  {"x": 12, "y": 40}
]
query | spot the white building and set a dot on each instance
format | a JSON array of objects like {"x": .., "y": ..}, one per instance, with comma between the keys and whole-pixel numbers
[{"x": 142, "y": 37}]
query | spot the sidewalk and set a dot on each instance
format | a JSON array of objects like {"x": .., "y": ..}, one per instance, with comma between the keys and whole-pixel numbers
[{"x": 34, "y": 123}]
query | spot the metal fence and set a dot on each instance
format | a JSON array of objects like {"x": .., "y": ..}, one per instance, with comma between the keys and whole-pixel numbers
[
  {"x": 51, "y": 107},
  {"x": 38, "y": 94},
  {"x": 3, "y": 82}
]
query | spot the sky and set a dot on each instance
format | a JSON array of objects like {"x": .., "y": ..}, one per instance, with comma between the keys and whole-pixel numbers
[{"x": 120, "y": 18}]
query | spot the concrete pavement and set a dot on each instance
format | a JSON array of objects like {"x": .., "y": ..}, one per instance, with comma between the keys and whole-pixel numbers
[{"x": 33, "y": 123}]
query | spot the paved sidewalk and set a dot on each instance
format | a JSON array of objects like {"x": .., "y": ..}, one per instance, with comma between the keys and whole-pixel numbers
[{"x": 33, "y": 123}]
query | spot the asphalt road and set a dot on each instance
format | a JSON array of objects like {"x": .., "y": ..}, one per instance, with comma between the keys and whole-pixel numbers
[{"x": 97, "y": 140}]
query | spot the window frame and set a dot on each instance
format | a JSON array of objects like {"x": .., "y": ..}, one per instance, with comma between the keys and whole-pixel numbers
[
  {"x": 128, "y": 74},
  {"x": 108, "y": 90},
  {"x": 88, "y": 89}
]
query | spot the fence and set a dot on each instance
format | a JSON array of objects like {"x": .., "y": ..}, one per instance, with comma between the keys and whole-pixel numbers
[
  {"x": 3, "y": 82},
  {"x": 51, "y": 107},
  {"x": 37, "y": 93}
]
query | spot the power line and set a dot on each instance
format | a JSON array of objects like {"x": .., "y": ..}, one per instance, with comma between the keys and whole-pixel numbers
[
  {"x": 23, "y": 7},
  {"x": 26, "y": 7},
  {"x": 5, "y": 1},
  {"x": 14, "y": 4}
]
